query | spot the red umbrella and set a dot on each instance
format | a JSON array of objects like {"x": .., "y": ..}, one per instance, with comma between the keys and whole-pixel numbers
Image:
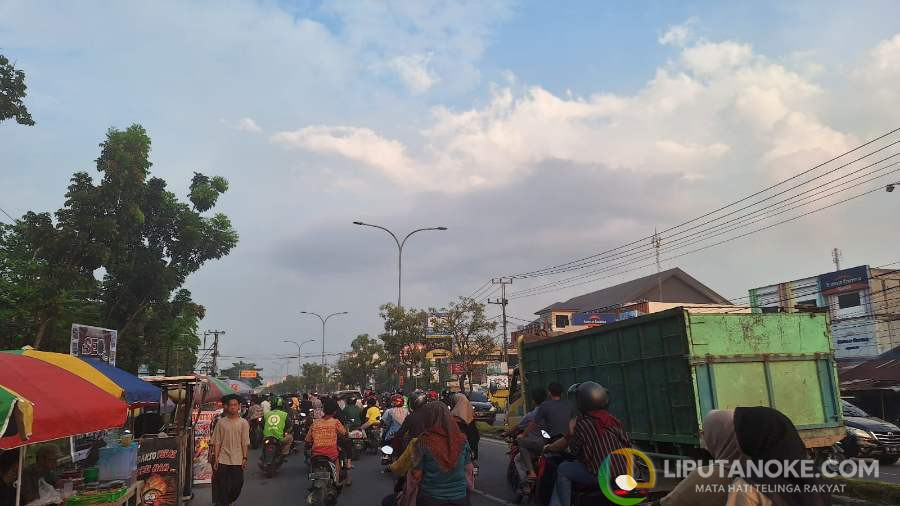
[{"x": 64, "y": 404}]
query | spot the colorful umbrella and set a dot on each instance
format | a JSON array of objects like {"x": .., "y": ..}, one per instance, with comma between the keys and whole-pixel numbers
[
  {"x": 137, "y": 391},
  {"x": 19, "y": 410},
  {"x": 238, "y": 387},
  {"x": 76, "y": 366},
  {"x": 64, "y": 404}
]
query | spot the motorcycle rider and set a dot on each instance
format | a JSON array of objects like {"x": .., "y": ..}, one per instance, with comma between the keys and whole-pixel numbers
[
  {"x": 597, "y": 433},
  {"x": 538, "y": 396},
  {"x": 352, "y": 413},
  {"x": 413, "y": 426},
  {"x": 275, "y": 425},
  {"x": 393, "y": 418},
  {"x": 556, "y": 416},
  {"x": 372, "y": 414},
  {"x": 324, "y": 434}
]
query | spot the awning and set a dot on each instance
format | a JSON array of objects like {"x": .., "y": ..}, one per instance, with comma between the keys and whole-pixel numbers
[
  {"x": 137, "y": 391},
  {"x": 64, "y": 404},
  {"x": 76, "y": 366}
]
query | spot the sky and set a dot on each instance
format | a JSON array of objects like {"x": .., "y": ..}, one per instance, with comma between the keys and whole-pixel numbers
[{"x": 537, "y": 132}]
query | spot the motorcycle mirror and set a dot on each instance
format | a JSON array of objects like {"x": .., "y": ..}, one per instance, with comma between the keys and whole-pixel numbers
[
  {"x": 545, "y": 434},
  {"x": 303, "y": 415},
  {"x": 387, "y": 450}
]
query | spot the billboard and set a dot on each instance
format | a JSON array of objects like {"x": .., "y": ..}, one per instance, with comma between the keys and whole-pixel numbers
[
  {"x": 847, "y": 280},
  {"x": 202, "y": 431},
  {"x": 94, "y": 342},
  {"x": 158, "y": 469},
  {"x": 593, "y": 319},
  {"x": 248, "y": 373}
]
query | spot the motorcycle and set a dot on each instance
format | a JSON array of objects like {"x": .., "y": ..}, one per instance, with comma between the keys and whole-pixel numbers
[
  {"x": 324, "y": 485},
  {"x": 271, "y": 459},
  {"x": 373, "y": 437},
  {"x": 256, "y": 432},
  {"x": 358, "y": 443},
  {"x": 524, "y": 492}
]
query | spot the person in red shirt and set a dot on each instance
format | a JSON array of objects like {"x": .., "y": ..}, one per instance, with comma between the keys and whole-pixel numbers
[{"x": 323, "y": 435}]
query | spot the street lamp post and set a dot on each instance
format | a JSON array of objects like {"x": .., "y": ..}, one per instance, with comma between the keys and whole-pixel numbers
[
  {"x": 400, "y": 245},
  {"x": 324, "y": 319},
  {"x": 890, "y": 188},
  {"x": 299, "y": 358}
]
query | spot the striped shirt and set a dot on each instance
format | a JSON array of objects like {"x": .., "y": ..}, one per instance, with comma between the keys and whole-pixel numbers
[{"x": 591, "y": 448}]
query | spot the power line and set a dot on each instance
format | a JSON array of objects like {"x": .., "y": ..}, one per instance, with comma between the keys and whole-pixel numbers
[
  {"x": 744, "y": 199},
  {"x": 13, "y": 220}
]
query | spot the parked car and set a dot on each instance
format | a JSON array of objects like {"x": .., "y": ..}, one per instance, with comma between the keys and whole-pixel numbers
[
  {"x": 484, "y": 410},
  {"x": 869, "y": 437}
]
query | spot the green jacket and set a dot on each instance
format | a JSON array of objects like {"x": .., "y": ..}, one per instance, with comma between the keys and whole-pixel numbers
[{"x": 273, "y": 423}]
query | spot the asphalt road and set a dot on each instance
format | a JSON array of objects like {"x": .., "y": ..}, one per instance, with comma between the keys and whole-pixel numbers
[{"x": 289, "y": 486}]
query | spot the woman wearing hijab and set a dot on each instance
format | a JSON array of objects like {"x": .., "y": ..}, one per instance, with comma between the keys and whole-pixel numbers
[
  {"x": 704, "y": 486},
  {"x": 464, "y": 414},
  {"x": 765, "y": 434},
  {"x": 437, "y": 464}
]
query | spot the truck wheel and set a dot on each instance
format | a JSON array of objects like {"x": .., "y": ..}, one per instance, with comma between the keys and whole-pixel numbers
[{"x": 887, "y": 461}]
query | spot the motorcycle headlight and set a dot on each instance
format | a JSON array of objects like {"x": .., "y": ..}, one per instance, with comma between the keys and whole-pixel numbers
[{"x": 860, "y": 433}]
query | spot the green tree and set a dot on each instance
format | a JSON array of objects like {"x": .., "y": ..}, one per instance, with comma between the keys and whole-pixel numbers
[
  {"x": 311, "y": 379},
  {"x": 357, "y": 367},
  {"x": 471, "y": 332},
  {"x": 12, "y": 92},
  {"x": 403, "y": 338},
  {"x": 146, "y": 240},
  {"x": 234, "y": 372}
]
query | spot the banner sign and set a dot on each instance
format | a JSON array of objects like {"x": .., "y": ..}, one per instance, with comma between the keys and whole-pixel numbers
[
  {"x": 158, "y": 469},
  {"x": 94, "y": 342},
  {"x": 202, "y": 432},
  {"x": 248, "y": 373},
  {"x": 847, "y": 280},
  {"x": 457, "y": 368},
  {"x": 593, "y": 319}
]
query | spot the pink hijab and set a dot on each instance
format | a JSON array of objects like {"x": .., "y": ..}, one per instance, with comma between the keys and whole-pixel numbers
[{"x": 463, "y": 409}]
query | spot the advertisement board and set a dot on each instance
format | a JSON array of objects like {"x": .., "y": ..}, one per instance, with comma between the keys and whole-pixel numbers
[
  {"x": 202, "y": 432},
  {"x": 846, "y": 280},
  {"x": 593, "y": 319},
  {"x": 248, "y": 373},
  {"x": 94, "y": 342},
  {"x": 457, "y": 368},
  {"x": 158, "y": 469}
]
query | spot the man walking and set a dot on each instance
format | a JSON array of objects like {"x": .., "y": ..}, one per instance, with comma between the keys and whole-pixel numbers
[{"x": 230, "y": 440}]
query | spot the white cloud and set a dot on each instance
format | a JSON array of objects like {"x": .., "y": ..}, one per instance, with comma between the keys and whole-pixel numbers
[
  {"x": 719, "y": 106},
  {"x": 414, "y": 71},
  {"x": 248, "y": 125},
  {"x": 679, "y": 35}
]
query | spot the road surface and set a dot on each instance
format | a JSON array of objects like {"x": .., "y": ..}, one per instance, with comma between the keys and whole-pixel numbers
[{"x": 289, "y": 486}]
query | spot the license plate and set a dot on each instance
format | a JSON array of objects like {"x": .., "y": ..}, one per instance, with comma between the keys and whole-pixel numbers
[{"x": 320, "y": 475}]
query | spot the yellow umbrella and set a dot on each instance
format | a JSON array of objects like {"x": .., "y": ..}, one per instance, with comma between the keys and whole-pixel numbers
[{"x": 79, "y": 368}]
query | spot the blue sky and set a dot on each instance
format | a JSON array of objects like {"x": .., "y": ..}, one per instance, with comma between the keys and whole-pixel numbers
[{"x": 537, "y": 131}]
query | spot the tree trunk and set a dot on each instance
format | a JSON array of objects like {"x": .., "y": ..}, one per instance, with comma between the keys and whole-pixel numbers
[{"x": 41, "y": 332}]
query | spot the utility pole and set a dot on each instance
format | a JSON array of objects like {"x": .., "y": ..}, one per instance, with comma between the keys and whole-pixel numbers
[
  {"x": 215, "y": 349},
  {"x": 656, "y": 242},
  {"x": 836, "y": 258},
  {"x": 502, "y": 302}
]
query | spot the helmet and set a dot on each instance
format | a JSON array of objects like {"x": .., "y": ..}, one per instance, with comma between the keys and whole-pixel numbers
[
  {"x": 591, "y": 396},
  {"x": 432, "y": 395},
  {"x": 416, "y": 401},
  {"x": 397, "y": 400}
]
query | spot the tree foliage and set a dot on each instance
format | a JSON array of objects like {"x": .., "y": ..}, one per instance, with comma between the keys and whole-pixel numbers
[
  {"x": 144, "y": 238},
  {"x": 234, "y": 372},
  {"x": 403, "y": 338},
  {"x": 358, "y": 367},
  {"x": 471, "y": 332},
  {"x": 12, "y": 92}
]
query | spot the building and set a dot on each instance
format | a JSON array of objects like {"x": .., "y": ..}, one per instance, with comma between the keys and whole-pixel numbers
[
  {"x": 863, "y": 304},
  {"x": 656, "y": 292}
]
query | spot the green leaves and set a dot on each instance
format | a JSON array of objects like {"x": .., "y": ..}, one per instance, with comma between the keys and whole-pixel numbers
[{"x": 12, "y": 91}]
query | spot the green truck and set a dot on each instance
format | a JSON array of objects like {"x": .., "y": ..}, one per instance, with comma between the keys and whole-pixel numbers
[{"x": 666, "y": 370}]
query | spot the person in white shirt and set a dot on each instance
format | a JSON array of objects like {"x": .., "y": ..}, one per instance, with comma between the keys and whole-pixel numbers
[{"x": 266, "y": 405}]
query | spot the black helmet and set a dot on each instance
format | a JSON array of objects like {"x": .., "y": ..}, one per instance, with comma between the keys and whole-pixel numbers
[
  {"x": 417, "y": 400},
  {"x": 591, "y": 396}
]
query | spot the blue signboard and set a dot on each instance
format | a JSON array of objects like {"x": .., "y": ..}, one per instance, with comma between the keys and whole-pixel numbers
[
  {"x": 847, "y": 280},
  {"x": 593, "y": 319}
]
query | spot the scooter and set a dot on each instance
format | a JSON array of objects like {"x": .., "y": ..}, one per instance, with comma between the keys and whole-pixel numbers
[
  {"x": 515, "y": 480},
  {"x": 373, "y": 436},
  {"x": 387, "y": 457},
  {"x": 271, "y": 459},
  {"x": 323, "y": 481},
  {"x": 358, "y": 443}
]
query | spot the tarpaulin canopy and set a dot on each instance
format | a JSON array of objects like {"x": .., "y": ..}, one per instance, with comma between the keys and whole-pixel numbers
[
  {"x": 64, "y": 404},
  {"x": 17, "y": 410},
  {"x": 239, "y": 387},
  {"x": 78, "y": 367},
  {"x": 215, "y": 390},
  {"x": 137, "y": 391}
]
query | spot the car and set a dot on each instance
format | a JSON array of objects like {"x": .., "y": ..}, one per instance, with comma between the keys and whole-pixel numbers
[
  {"x": 869, "y": 437},
  {"x": 346, "y": 394},
  {"x": 484, "y": 410}
]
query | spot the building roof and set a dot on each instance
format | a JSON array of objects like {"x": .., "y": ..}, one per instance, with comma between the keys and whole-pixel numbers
[
  {"x": 641, "y": 289},
  {"x": 884, "y": 367}
]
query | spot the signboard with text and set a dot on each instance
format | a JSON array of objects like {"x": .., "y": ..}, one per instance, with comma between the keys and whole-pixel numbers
[
  {"x": 94, "y": 342},
  {"x": 843, "y": 281},
  {"x": 457, "y": 368},
  {"x": 158, "y": 469},
  {"x": 593, "y": 319},
  {"x": 202, "y": 432},
  {"x": 248, "y": 373}
]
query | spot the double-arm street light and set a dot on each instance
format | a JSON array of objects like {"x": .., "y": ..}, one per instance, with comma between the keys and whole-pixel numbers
[
  {"x": 324, "y": 320},
  {"x": 299, "y": 358},
  {"x": 400, "y": 245}
]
